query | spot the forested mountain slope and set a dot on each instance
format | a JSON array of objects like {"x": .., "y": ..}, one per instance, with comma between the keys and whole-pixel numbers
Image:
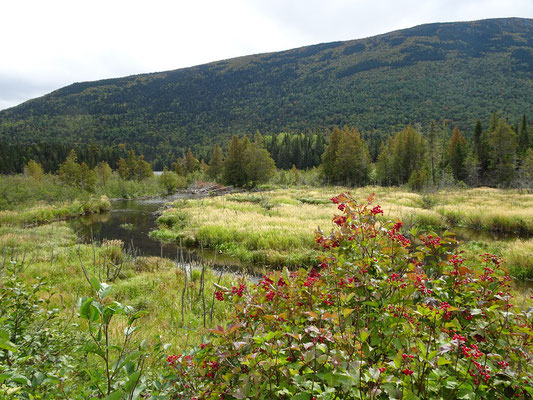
[{"x": 456, "y": 71}]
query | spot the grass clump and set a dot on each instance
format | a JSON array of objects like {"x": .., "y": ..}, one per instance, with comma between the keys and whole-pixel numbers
[{"x": 45, "y": 213}]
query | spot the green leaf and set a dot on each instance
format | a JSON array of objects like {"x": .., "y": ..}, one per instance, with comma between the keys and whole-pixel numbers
[
  {"x": 7, "y": 345},
  {"x": 422, "y": 347},
  {"x": 398, "y": 359},
  {"x": 347, "y": 311},
  {"x": 104, "y": 290},
  {"x": 116, "y": 395},
  {"x": 443, "y": 361},
  {"x": 95, "y": 283},
  {"x": 302, "y": 396},
  {"x": 132, "y": 381},
  {"x": 84, "y": 307}
]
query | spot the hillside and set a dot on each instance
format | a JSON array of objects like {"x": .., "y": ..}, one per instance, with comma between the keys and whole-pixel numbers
[{"x": 457, "y": 71}]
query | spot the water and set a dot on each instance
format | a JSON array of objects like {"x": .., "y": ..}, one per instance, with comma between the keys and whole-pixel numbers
[{"x": 132, "y": 220}]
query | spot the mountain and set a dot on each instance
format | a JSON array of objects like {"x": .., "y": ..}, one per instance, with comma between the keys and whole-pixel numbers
[{"x": 445, "y": 71}]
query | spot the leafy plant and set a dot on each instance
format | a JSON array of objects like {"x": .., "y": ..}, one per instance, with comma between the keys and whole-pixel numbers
[
  {"x": 378, "y": 318},
  {"x": 115, "y": 371},
  {"x": 36, "y": 348}
]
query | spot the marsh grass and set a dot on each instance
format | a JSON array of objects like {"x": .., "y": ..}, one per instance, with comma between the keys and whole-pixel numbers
[
  {"x": 283, "y": 234},
  {"x": 149, "y": 283},
  {"x": 45, "y": 213}
]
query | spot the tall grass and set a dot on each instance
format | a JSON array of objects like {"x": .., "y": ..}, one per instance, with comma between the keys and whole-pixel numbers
[
  {"x": 148, "y": 283},
  {"x": 47, "y": 213},
  {"x": 276, "y": 227}
]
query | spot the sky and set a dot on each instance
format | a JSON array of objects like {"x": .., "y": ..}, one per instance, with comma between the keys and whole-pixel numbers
[{"x": 48, "y": 44}]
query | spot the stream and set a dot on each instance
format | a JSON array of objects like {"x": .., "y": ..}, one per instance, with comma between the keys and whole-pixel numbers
[{"x": 132, "y": 220}]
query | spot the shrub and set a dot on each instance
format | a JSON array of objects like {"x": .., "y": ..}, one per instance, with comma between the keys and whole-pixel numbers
[{"x": 377, "y": 318}]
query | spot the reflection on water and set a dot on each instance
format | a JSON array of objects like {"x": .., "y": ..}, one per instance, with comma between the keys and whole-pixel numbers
[{"x": 132, "y": 220}]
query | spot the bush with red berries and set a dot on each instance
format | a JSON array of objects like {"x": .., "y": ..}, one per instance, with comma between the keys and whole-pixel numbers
[{"x": 385, "y": 315}]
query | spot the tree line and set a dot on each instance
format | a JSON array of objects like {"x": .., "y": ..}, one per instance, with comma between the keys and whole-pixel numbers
[{"x": 499, "y": 154}]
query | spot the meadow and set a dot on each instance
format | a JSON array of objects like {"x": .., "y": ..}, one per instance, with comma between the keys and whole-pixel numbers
[{"x": 276, "y": 227}]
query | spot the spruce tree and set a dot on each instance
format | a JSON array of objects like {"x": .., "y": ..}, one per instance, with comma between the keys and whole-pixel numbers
[
  {"x": 476, "y": 139},
  {"x": 503, "y": 143},
  {"x": 523, "y": 136},
  {"x": 432, "y": 142},
  {"x": 191, "y": 163},
  {"x": 457, "y": 153},
  {"x": 329, "y": 157},
  {"x": 352, "y": 159},
  {"x": 214, "y": 170},
  {"x": 234, "y": 168}
]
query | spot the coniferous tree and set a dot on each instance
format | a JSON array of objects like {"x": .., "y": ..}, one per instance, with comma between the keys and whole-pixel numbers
[
  {"x": 432, "y": 150},
  {"x": 122, "y": 168},
  {"x": 384, "y": 172},
  {"x": 503, "y": 144},
  {"x": 131, "y": 163},
  {"x": 34, "y": 170},
  {"x": 143, "y": 168},
  {"x": 177, "y": 166},
  {"x": 258, "y": 140},
  {"x": 69, "y": 171},
  {"x": 476, "y": 139},
  {"x": 329, "y": 158},
  {"x": 352, "y": 159},
  {"x": 494, "y": 120},
  {"x": 526, "y": 170},
  {"x": 523, "y": 136},
  {"x": 234, "y": 168},
  {"x": 258, "y": 164},
  {"x": 191, "y": 163},
  {"x": 103, "y": 172},
  {"x": 457, "y": 153},
  {"x": 214, "y": 170},
  {"x": 408, "y": 152},
  {"x": 86, "y": 177}
]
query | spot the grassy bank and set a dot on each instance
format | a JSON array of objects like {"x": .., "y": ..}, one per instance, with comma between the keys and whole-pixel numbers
[
  {"x": 147, "y": 283},
  {"x": 20, "y": 192},
  {"x": 276, "y": 227},
  {"x": 26, "y": 201},
  {"x": 45, "y": 213}
]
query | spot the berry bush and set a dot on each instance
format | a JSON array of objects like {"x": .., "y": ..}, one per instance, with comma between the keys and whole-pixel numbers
[{"x": 385, "y": 315}]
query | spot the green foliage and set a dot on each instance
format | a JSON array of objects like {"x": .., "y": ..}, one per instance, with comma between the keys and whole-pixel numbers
[
  {"x": 171, "y": 181},
  {"x": 502, "y": 141},
  {"x": 191, "y": 164},
  {"x": 247, "y": 164},
  {"x": 457, "y": 153},
  {"x": 114, "y": 365},
  {"x": 134, "y": 167},
  {"x": 214, "y": 170},
  {"x": 37, "y": 349},
  {"x": 346, "y": 159},
  {"x": 403, "y": 155},
  {"x": 103, "y": 173},
  {"x": 526, "y": 170},
  {"x": 379, "y": 317},
  {"x": 34, "y": 170}
]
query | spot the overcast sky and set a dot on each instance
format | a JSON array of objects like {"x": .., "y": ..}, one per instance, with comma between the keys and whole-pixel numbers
[{"x": 47, "y": 44}]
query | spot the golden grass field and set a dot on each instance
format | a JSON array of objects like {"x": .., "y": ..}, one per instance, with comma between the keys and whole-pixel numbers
[{"x": 277, "y": 227}]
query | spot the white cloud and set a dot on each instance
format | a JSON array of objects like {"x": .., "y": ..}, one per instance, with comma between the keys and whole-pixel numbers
[{"x": 49, "y": 44}]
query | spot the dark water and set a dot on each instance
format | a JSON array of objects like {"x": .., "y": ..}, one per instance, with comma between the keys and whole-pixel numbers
[{"x": 132, "y": 220}]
